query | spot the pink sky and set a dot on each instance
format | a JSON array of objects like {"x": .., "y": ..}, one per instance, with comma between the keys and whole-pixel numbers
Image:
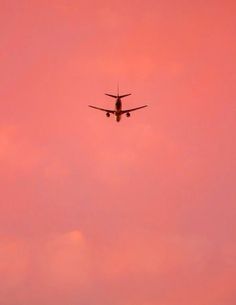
[{"x": 137, "y": 213}]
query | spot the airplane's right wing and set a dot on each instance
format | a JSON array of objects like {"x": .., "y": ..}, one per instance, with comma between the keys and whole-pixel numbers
[
  {"x": 133, "y": 109},
  {"x": 102, "y": 109}
]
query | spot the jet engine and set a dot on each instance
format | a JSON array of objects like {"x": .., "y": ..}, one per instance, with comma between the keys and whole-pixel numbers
[
  {"x": 108, "y": 114},
  {"x": 128, "y": 114}
]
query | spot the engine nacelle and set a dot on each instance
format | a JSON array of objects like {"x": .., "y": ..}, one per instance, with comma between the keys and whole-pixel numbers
[
  {"x": 108, "y": 114},
  {"x": 128, "y": 114}
]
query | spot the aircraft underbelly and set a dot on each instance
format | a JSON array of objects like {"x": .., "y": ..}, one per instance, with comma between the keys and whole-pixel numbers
[{"x": 118, "y": 115}]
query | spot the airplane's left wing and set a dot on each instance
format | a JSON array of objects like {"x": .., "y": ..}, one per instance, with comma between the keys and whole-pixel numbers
[
  {"x": 102, "y": 109},
  {"x": 133, "y": 109}
]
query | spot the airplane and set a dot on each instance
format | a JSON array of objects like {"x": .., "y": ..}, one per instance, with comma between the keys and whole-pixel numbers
[{"x": 118, "y": 107}]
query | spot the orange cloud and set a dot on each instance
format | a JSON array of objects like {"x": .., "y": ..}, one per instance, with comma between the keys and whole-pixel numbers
[
  {"x": 66, "y": 261},
  {"x": 14, "y": 264}
]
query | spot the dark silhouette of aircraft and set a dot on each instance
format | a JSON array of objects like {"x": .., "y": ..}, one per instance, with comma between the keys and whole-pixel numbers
[{"x": 118, "y": 112}]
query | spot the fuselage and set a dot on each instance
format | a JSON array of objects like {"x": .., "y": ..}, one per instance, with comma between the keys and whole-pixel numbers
[{"x": 118, "y": 109}]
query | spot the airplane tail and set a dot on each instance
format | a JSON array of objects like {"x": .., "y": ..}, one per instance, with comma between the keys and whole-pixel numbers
[
  {"x": 117, "y": 96},
  {"x": 118, "y": 93}
]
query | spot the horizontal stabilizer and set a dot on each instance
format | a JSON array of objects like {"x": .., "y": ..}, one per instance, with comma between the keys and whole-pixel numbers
[
  {"x": 111, "y": 95},
  {"x": 117, "y": 96},
  {"x": 121, "y": 96}
]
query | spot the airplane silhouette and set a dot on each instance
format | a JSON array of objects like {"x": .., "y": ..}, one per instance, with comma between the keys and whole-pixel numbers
[{"x": 118, "y": 107}]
